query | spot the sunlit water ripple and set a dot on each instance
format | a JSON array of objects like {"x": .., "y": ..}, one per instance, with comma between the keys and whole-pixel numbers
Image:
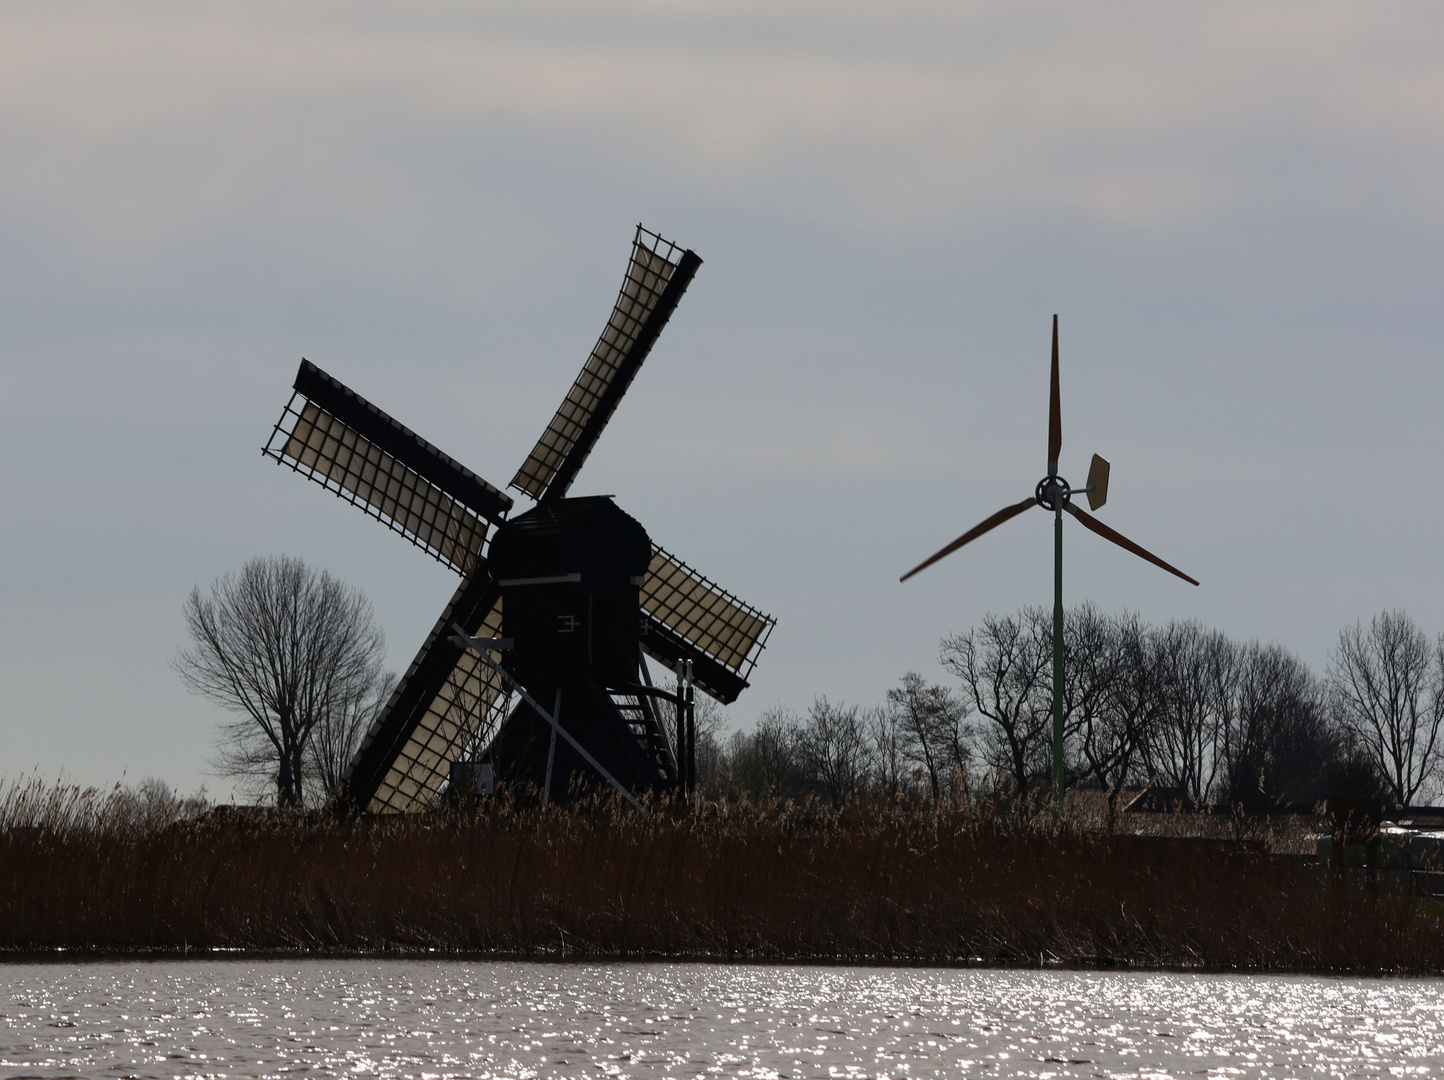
[{"x": 467, "y": 1019}]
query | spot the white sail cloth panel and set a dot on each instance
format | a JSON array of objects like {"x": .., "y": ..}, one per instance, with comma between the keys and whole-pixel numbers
[
  {"x": 711, "y": 618},
  {"x": 342, "y": 459},
  {"x": 647, "y": 276},
  {"x": 456, "y": 719}
]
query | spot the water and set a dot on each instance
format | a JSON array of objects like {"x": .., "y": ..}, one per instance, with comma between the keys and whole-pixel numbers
[{"x": 468, "y": 1019}]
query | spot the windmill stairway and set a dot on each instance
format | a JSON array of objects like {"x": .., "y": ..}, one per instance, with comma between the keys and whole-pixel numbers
[{"x": 652, "y": 743}]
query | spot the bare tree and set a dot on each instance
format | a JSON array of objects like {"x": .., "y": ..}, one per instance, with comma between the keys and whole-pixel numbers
[
  {"x": 1387, "y": 685},
  {"x": 1197, "y": 675},
  {"x": 1114, "y": 697},
  {"x": 284, "y": 648},
  {"x": 833, "y": 748},
  {"x": 763, "y": 761},
  {"x": 887, "y": 741},
  {"x": 929, "y": 719},
  {"x": 338, "y": 735},
  {"x": 1005, "y": 668},
  {"x": 711, "y": 754},
  {"x": 1094, "y": 709},
  {"x": 1282, "y": 745}
]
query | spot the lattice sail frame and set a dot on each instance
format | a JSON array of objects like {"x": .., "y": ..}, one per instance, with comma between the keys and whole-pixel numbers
[
  {"x": 653, "y": 262},
  {"x": 708, "y": 617},
  {"x": 328, "y": 449},
  {"x": 465, "y": 713}
]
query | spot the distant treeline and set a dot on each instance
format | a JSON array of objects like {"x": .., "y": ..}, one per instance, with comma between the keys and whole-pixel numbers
[{"x": 1210, "y": 722}]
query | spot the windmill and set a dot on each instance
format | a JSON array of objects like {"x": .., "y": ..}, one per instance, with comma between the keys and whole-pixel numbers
[
  {"x": 1053, "y": 494},
  {"x": 535, "y": 666}
]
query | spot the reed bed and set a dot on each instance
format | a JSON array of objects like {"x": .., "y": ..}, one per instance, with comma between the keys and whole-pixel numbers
[{"x": 963, "y": 881}]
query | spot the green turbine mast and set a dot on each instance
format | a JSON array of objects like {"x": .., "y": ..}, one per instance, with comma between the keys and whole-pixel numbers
[{"x": 1053, "y": 494}]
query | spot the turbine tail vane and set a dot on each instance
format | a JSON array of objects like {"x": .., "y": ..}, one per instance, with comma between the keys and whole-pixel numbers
[{"x": 1097, "y": 482}]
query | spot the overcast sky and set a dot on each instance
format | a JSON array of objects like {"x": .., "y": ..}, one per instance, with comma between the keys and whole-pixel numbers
[{"x": 1233, "y": 208}]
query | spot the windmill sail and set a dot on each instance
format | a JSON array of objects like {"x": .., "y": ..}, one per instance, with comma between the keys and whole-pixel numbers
[
  {"x": 446, "y": 704},
  {"x": 657, "y": 276},
  {"x": 690, "y": 618},
  {"x": 346, "y": 444}
]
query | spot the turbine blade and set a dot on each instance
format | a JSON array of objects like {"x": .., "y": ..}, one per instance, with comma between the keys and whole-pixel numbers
[
  {"x": 1091, "y": 522},
  {"x": 973, "y": 533},
  {"x": 1055, "y": 411}
]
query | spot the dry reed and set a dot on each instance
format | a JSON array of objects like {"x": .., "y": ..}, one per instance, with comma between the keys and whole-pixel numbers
[{"x": 967, "y": 881}]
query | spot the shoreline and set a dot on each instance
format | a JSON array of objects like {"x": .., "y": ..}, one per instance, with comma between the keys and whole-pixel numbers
[{"x": 149, "y": 955}]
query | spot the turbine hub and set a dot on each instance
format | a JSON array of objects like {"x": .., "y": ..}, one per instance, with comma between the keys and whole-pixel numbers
[{"x": 1052, "y": 493}]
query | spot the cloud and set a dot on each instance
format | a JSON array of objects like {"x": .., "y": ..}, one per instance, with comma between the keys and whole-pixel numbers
[{"x": 159, "y": 118}]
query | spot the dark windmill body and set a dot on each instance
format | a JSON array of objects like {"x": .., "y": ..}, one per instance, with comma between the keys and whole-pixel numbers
[
  {"x": 536, "y": 665},
  {"x": 571, "y": 576}
]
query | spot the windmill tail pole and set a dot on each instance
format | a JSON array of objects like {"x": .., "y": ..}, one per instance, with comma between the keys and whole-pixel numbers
[{"x": 1058, "y": 656}]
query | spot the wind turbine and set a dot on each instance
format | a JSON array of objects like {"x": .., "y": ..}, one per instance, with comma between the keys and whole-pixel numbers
[{"x": 1054, "y": 494}]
